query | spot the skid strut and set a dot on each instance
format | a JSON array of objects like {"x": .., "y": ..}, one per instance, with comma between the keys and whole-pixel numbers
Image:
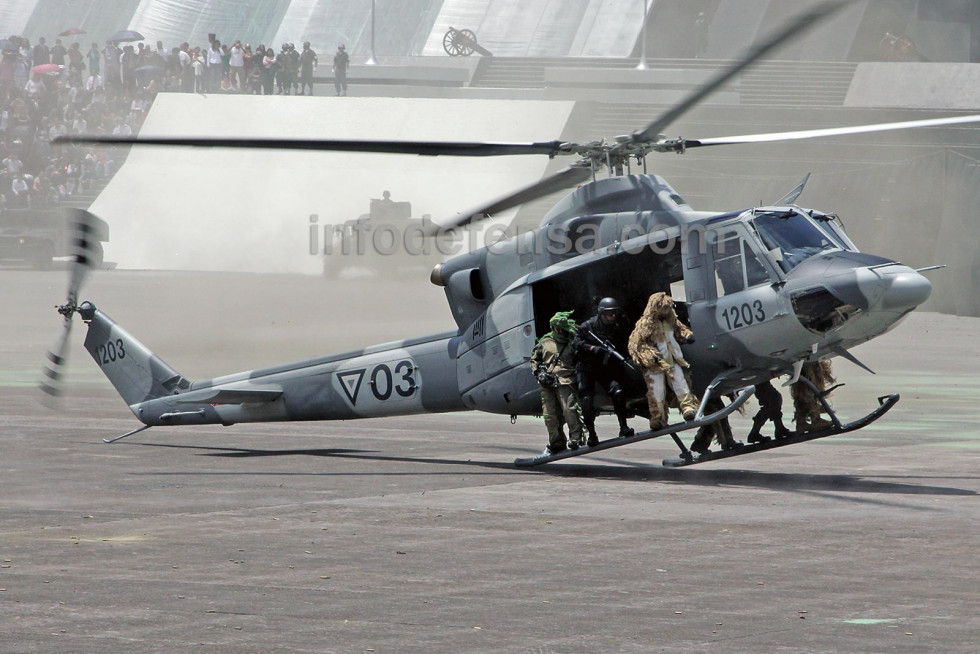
[
  {"x": 885, "y": 402},
  {"x": 643, "y": 435}
]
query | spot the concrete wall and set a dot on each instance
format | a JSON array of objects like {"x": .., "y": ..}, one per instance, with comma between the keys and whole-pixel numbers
[
  {"x": 14, "y": 15},
  {"x": 543, "y": 28},
  {"x": 943, "y": 31},
  {"x": 251, "y": 21},
  {"x": 244, "y": 210}
]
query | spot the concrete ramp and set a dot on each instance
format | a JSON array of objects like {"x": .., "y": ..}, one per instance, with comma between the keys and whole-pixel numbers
[
  {"x": 247, "y": 210},
  {"x": 915, "y": 85}
]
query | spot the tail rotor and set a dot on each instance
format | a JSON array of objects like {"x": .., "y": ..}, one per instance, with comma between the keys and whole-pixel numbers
[{"x": 84, "y": 253}]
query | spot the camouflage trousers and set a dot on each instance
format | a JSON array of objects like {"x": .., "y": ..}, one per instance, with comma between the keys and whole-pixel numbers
[
  {"x": 807, "y": 406},
  {"x": 657, "y": 381},
  {"x": 560, "y": 405}
]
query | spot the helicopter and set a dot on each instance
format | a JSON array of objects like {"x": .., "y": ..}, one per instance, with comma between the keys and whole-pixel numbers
[{"x": 766, "y": 289}]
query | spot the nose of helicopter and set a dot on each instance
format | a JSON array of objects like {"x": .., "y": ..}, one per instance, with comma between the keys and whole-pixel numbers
[
  {"x": 891, "y": 287},
  {"x": 906, "y": 289}
]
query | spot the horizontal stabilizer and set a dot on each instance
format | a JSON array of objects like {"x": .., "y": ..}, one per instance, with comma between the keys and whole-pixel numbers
[{"x": 228, "y": 396}]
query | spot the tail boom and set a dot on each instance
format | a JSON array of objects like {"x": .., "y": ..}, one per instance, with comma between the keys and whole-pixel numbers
[{"x": 400, "y": 378}]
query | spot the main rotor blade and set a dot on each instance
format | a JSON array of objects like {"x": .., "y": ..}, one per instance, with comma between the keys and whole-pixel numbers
[
  {"x": 563, "y": 179},
  {"x": 799, "y": 25},
  {"x": 831, "y": 131},
  {"x": 424, "y": 148}
]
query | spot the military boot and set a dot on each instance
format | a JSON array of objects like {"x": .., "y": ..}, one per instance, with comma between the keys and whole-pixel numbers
[
  {"x": 725, "y": 437},
  {"x": 702, "y": 440},
  {"x": 689, "y": 406},
  {"x": 619, "y": 406},
  {"x": 818, "y": 423},
  {"x": 812, "y": 423},
  {"x": 781, "y": 431},
  {"x": 755, "y": 436}
]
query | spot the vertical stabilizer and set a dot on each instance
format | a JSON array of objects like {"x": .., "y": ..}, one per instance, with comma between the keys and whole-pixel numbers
[{"x": 136, "y": 373}]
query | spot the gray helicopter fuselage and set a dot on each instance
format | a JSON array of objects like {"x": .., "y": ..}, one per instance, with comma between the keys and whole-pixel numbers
[
  {"x": 763, "y": 289},
  {"x": 791, "y": 302}
]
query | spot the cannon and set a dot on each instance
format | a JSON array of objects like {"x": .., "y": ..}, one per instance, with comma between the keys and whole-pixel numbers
[{"x": 462, "y": 43}]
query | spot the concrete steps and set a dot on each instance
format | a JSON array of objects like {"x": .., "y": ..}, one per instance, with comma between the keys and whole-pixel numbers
[{"x": 796, "y": 83}]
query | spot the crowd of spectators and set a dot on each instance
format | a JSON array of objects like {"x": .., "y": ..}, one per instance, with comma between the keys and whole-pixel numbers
[{"x": 47, "y": 91}]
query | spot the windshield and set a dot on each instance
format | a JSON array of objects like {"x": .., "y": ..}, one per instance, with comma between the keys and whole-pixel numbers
[
  {"x": 792, "y": 237},
  {"x": 831, "y": 224}
]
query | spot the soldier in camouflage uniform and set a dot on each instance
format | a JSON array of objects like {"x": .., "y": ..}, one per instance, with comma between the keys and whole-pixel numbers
[{"x": 553, "y": 366}]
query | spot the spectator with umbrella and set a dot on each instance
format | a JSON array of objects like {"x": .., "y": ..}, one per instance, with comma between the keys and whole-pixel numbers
[
  {"x": 126, "y": 36},
  {"x": 47, "y": 69},
  {"x": 112, "y": 54},
  {"x": 58, "y": 53},
  {"x": 127, "y": 65},
  {"x": 72, "y": 32},
  {"x": 76, "y": 63}
]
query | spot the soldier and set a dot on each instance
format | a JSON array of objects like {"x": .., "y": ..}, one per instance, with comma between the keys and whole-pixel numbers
[
  {"x": 808, "y": 407},
  {"x": 770, "y": 408},
  {"x": 552, "y": 365},
  {"x": 307, "y": 63},
  {"x": 341, "y": 61},
  {"x": 601, "y": 350},
  {"x": 655, "y": 344},
  {"x": 291, "y": 66},
  {"x": 720, "y": 431}
]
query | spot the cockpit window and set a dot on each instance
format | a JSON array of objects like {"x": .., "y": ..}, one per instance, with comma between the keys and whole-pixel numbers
[
  {"x": 736, "y": 266},
  {"x": 832, "y": 225},
  {"x": 792, "y": 237},
  {"x": 755, "y": 272},
  {"x": 727, "y": 254}
]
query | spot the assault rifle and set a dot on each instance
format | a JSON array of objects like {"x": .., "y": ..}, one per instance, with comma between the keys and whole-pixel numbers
[{"x": 611, "y": 351}]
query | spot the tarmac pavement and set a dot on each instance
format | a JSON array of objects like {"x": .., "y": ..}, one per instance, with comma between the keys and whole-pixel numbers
[{"x": 417, "y": 534}]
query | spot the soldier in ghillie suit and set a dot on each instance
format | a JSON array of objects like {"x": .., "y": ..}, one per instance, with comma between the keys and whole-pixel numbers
[
  {"x": 808, "y": 407},
  {"x": 552, "y": 362},
  {"x": 655, "y": 345}
]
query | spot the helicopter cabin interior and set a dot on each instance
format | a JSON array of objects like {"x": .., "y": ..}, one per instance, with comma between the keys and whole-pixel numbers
[{"x": 630, "y": 277}]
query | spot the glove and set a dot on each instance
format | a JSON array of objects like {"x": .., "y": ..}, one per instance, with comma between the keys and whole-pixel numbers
[{"x": 547, "y": 379}]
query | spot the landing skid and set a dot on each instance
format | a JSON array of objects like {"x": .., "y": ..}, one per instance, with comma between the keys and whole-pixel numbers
[
  {"x": 885, "y": 402},
  {"x": 641, "y": 436}
]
